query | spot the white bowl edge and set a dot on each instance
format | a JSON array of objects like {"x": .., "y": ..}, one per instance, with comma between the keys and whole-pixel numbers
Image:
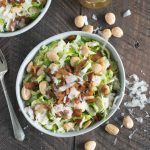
[
  {"x": 63, "y": 36},
  {"x": 29, "y": 26}
]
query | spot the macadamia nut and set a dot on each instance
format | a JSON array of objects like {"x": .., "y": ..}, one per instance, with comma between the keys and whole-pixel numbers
[
  {"x": 106, "y": 33},
  {"x": 90, "y": 145},
  {"x": 97, "y": 68},
  {"x": 88, "y": 28},
  {"x": 117, "y": 32},
  {"x": 79, "y": 21},
  {"x": 110, "y": 18},
  {"x": 74, "y": 61},
  {"x": 52, "y": 56}
]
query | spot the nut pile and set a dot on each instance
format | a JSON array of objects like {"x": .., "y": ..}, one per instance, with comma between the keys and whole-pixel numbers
[
  {"x": 107, "y": 33},
  {"x": 112, "y": 130},
  {"x": 80, "y": 22}
]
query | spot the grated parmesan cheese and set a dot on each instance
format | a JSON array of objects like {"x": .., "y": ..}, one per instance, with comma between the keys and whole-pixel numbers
[
  {"x": 86, "y": 20},
  {"x": 139, "y": 119},
  {"x": 127, "y": 13},
  {"x": 137, "y": 92},
  {"x": 94, "y": 17},
  {"x": 115, "y": 141},
  {"x": 131, "y": 135}
]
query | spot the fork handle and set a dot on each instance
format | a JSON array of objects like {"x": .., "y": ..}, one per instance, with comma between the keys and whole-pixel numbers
[{"x": 18, "y": 131}]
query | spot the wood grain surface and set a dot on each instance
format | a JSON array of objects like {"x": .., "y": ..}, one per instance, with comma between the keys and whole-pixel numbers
[{"x": 58, "y": 19}]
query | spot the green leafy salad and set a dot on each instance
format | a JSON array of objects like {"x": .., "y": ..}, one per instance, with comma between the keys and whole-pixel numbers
[
  {"x": 16, "y": 14},
  {"x": 70, "y": 84}
]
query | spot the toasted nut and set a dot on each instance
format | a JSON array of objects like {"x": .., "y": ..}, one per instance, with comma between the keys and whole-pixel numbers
[
  {"x": 96, "y": 68},
  {"x": 88, "y": 28},
  {"x": 112, "y": 129},
  {"x": 105, "y": 90},
  {"x": 117, "y": 32},
  {"x": 80, "y": 106},
  {"x": 54, "y": 68},
  {"x": 40, "y": 108},
  {"x": 110, "y": 18},
  {"x": 29, "y": 67},
  {"x": 128, "y": 122},
  {"x": 79, "y": 21},
  {"x": 52, "y": 56},
  {"x": 74, "y": 61},
  {"x": 16, "y": 9},
  {"x": 26, "y": 93},
  {"x": 90, "y": 145},
  {"x": 85, "y": 50},
  {"x": 40, "y": 71},
  {"x": 106, "y": 33},
  {"x": 69, "y": 126},
  {"x": 101, "y": 60},
  {"x": 67, "y": 114},
  {"x": 43, "y": 87}
]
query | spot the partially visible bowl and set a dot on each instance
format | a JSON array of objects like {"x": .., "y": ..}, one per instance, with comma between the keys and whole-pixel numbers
[
  {"x": 29, "y": 26},
  {"x": 64, "y": 36}
]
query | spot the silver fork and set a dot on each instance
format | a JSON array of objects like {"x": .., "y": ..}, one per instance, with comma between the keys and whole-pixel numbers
[{"x": 18, "y": 131}]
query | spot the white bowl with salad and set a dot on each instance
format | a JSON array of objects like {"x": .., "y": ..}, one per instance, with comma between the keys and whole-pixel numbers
[
  {"x": 70, "y": 84},
  {"x": 19, "y": 16}
]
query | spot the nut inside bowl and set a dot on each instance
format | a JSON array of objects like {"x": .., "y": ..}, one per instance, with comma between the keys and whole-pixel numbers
[
  {"x": 32, "y": 54},
  {"x": 30, "y": 25}
]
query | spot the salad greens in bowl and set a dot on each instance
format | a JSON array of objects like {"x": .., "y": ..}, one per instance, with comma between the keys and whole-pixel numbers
[
  {"x": 18, "y": 16},
  {"x": 70, "y": 84}
]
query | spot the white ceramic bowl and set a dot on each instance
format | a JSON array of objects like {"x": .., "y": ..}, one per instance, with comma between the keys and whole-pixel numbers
[
  {"x": 29, "y": 26},
  {"x": 63, "y": 36}
]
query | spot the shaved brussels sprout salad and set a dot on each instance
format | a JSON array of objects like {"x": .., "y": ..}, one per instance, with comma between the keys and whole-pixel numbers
[
  {"x": 16, "y": 14},
  {"x": 70, "y": 84}
]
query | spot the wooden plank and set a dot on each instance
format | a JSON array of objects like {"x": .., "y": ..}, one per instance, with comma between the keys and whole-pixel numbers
[
  {"x": 136, "y": 28},
  {"x": 58, "y": 19}
]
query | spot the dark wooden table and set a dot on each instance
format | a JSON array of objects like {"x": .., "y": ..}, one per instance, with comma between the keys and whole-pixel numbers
[{"x": 60, "y": 18}]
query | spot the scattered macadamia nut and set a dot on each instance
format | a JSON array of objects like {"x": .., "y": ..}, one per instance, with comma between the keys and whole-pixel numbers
[
  {"x": 96, "y": 68},
  {"x": 88, "y": 28},
  {"x": 128, "y": 122},
  {"x": 90, "y": 145},
  {"x": 16, "y": 9},
  {"x": 40, "y": 108},
  {"x": 26, "y": 93},
  {"x": 105, "y": 90},
  {"x": 85, "y": 50},
  {"x": 74, "y": 61},
  {"x": 117, "y": 32},
  {"x": 43, "y": 87},
  {"x": 68, "y": 126},
  {"x": 80, "y": 106},
  {"x": 40, "y": 71},
  {"x": 112, "y": 129},
  {"x": 79, "y": 21},
  {"x": 52, "y": 56},
  {"x": 106, "y": 33},
  {"x": 110, "y": 18},
  {"x": 29, "y": 67},
  {"x": 54, "y": 68}
]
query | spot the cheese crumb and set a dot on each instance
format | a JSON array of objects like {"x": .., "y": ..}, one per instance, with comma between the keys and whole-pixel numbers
[
  {"x": 137, "y": 91},
  {"x": 94, "y": 17}
]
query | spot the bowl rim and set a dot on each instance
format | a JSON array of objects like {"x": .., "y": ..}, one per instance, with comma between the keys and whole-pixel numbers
[
  {"x": 29, "y": 26},
  {"x": 30, "y": 56}
]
